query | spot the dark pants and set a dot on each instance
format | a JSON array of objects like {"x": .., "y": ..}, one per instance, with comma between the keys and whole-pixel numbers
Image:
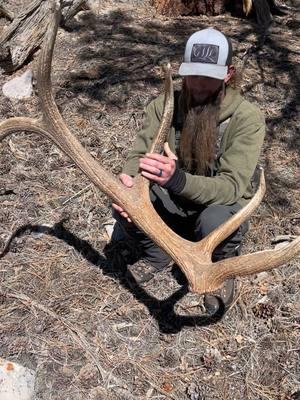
[{"x": 188, "y": 220}]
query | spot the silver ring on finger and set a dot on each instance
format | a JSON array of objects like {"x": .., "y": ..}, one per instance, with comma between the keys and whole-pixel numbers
[{"x": 160, "y": 173}]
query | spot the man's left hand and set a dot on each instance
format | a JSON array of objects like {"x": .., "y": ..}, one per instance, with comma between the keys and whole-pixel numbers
[{"x": 158, "y": 168}]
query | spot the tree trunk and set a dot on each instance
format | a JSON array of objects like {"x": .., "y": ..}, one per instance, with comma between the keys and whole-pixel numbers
[
  {"x": 188, "y": 7},
  {"x": 172, "y": 8},
  {"x": 209, "y": 7},
  {"x": 262, "y": 9},
  {"x": 25, "y": 34}
]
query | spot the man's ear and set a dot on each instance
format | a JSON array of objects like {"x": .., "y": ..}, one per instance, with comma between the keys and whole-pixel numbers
[{"x": 230, "y": 73}]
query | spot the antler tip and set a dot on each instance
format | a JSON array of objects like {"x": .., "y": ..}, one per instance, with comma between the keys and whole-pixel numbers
[{"x": 166, "y": 66}]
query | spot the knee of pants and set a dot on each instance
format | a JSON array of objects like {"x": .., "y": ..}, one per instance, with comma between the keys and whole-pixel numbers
[{"x": 212, "y": 217}]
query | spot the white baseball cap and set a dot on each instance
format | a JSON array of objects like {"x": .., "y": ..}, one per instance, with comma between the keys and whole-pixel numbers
[{"x": 207, "y": 53}]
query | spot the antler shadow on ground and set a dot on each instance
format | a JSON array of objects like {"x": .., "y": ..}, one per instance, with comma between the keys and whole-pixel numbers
[{"x": 162, "y": 310}]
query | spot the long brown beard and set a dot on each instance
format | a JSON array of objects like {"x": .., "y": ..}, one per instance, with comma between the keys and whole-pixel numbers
[{"x": 198, "y": 138}]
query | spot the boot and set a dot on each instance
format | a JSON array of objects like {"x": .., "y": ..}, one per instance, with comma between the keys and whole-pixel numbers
[{"x": 220, "y": 301}]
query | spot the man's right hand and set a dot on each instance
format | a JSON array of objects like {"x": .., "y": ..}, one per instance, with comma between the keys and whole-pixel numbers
[{"x": 128, "y": 182}]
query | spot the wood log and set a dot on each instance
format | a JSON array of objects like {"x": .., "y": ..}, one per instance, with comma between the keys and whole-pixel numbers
[
  {"x": 25, "y": 34},
  {"x": 71, "y": 8}
]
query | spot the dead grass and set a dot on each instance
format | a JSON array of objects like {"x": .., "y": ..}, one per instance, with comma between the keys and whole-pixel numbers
[{"x": 64, "y": 308}]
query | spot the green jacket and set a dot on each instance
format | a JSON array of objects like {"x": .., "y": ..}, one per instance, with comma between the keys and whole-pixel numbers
[{"x": 238, "y": 156}]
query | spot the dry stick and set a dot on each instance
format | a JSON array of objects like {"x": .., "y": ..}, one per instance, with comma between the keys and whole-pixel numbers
[
  {"x": 77, "y": 335},
  {"x": 77, "y": 194},
  {"x": 5, "y": 12}
]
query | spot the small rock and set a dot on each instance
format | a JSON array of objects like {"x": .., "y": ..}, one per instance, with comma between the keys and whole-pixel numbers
[
  {"x": 281, "y": 245},
  {"x": 17, "y": 382},
  {"x": 214, "y": 353},
  {"x": 282, "y": 240},
  {"x": 20, "y": 87},
  {"x": 261, "y": 276},
  {"x": 239, "y": 339},
  {"x": 93, "y": 5},
  {"x": 109, "y": 227}
]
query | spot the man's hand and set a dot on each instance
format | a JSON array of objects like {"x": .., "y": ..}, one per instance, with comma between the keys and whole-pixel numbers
[
  {"x": 127, "y": 181},
  {"x": 158, "y": 168}
]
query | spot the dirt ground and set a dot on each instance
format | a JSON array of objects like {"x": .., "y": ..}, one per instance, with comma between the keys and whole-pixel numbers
[{"x": 65, "y": 309}]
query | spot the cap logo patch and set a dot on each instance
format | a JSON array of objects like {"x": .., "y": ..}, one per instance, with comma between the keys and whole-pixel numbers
[{"x": 205, "y": 53}]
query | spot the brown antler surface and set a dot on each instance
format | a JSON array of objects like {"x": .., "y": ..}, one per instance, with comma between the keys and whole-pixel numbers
[
  {"x": 193, "y": 258},
  {"x": 247, "y": 6}
]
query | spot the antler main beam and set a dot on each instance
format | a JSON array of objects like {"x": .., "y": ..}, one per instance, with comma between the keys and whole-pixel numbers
[{"x": 193, "y": 258}]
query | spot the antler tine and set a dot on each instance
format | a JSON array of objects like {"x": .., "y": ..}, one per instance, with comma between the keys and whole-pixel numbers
[
  {"x": 164, "y": 128},
  {"x": 247, "y": 6},
  {"x": 248, "y": 264},
  {"x": 15, "y": 125},
  {"x": 210, "y": 242},
  {"x": 141, "y": 183}
]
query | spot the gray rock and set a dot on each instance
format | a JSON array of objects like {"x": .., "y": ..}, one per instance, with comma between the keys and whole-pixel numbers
[
  {"x": 20, "y": 87},
  {"x": 17, "y": 382},
  {"x": 94, "y": 5},
  {"x": 261, "y": 276}
]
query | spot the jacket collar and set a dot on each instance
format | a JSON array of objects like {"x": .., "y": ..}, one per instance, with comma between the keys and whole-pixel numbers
[{"x": 230, "y": 103}]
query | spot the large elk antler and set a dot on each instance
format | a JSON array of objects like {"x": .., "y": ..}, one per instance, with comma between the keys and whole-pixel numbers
[{"x": 193, "y": 258}]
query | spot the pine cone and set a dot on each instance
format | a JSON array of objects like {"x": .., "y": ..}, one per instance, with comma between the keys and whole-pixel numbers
[
  {"x": 262, "y": 310},
  {"x": 196, "y": 391}
]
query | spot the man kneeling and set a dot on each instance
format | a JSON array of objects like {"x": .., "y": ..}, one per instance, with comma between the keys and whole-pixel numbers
[{"x": 204, "y": 175}]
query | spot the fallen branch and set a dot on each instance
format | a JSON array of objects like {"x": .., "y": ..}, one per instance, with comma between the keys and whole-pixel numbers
[
  {"x": 6, "y": 13},
  {"x": 25, "y": 34}
]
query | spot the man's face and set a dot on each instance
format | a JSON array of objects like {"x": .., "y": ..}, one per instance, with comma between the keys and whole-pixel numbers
[{"x": 202, "y": 88}]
